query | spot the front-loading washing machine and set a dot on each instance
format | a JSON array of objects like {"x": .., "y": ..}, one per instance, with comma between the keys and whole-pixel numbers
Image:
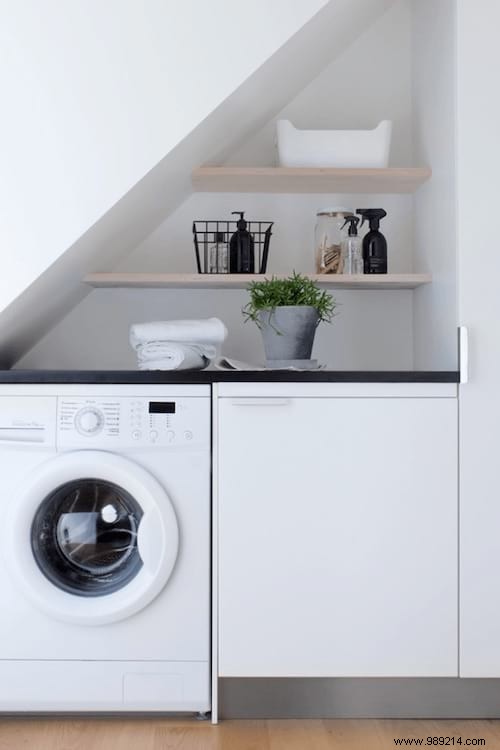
[{"x": 105, "y": 585}]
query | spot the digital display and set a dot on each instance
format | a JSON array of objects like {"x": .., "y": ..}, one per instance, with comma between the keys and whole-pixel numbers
[{"x": 162, "y": 407}]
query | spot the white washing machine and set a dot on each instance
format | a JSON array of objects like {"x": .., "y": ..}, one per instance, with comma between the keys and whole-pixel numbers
[{"x": 105, "y": 503}]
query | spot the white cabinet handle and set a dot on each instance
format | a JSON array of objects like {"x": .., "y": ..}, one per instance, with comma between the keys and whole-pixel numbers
[
  {"x": 261, "y": 402},
  {"x": 463, "y": 354}
]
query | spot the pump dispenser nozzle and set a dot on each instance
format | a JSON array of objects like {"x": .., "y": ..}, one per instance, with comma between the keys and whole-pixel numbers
[
  {"x": 353, "y": 222},
  {"x": 241, "y": 224},
  {"x": 372, "y": 215}
]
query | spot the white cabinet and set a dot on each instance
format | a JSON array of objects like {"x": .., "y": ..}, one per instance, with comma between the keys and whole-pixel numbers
[
  {"x": 337, "y": 527},
  {"x": 478, "y": 162}
]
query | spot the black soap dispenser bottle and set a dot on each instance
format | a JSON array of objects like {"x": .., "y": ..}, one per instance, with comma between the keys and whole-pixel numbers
[
  {"x": 241, "y": 248},
  {"x": 374, "y": 242}
]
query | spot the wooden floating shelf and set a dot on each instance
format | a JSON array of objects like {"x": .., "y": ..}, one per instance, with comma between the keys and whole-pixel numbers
[
  {"x": 240, "y": 281},
  {"x": 308, "y": 180}
]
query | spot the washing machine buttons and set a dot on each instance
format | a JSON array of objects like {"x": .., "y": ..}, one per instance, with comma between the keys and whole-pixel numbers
[
  {"x": 89, "y": 421},
  {"x": 170, "y": 436},
  {"x": 136, "y": 409},
  {"x": 188, "y": 435},
  {"x": 136, "y": 435},
  {"x": 153, "y": 436}
]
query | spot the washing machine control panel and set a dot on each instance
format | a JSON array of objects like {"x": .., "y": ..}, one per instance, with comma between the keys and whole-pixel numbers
[{"x": 98, "y": 422}]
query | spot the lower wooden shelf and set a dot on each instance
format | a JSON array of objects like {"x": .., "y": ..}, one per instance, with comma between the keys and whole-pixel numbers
[{"x": 241, "y": 281}]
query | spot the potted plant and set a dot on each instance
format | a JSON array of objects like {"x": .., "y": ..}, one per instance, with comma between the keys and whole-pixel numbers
[{"x": 288, "y": 311}]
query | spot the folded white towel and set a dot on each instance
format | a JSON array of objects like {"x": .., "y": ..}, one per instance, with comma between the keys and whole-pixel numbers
[
  {"x": 161, "y": 349},
  {"x": 172, "y": 357},
  {"x": 208, "y": 331}
]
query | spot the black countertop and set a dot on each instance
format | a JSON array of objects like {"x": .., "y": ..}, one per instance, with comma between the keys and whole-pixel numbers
[{"x": 112, "y": 377}]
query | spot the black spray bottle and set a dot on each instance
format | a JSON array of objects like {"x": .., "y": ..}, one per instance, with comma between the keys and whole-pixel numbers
[
  {"x": 374, "y": 242},
  {"x": 241, "y": 248}
]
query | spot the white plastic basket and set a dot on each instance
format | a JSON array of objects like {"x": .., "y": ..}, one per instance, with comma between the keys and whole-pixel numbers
[{"x": 333, "y": 148}]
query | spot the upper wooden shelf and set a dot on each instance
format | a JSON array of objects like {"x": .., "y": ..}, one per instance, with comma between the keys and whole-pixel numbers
[
  {"x": 240, "y": 281},
  {"x": 305, "y": 180}
]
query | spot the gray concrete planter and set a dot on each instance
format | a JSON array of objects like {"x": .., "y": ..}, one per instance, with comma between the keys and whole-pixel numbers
[{"x": 288, "y": 332}]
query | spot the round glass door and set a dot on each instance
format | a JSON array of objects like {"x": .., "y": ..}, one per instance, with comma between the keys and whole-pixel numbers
[
  {"x": 92, "y": 539},
  {"x": 84, "y": 537}
]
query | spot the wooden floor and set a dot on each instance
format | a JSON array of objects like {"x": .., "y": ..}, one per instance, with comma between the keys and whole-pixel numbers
[{"x": 168, "y": 734}]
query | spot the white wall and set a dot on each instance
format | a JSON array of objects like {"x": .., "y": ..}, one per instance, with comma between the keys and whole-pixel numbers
[
  {"x": 370, "y": 81},
  {"x": 369, "y": 333},
  {"x": 170, "y": 247},
  {"x": 373, "y": 329},
  {"x": 149, "y": 201},
  {"x": 96, "y": 92},
  {"x": 435, "y": 235}
]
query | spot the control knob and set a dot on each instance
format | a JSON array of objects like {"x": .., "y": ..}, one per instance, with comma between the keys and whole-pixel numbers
[{"x": 89, "y": 421}]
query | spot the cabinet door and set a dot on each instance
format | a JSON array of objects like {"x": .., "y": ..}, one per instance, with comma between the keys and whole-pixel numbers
[
  {"x": 478, "y": 165},
  {"x": 337, "y": 537}
]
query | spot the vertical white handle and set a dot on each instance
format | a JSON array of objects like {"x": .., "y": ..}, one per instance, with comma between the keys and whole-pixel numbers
[{"x": 463, "y": 354}]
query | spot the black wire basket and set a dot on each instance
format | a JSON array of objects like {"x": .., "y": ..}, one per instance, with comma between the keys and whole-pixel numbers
[{"x": 208, "y": 235}]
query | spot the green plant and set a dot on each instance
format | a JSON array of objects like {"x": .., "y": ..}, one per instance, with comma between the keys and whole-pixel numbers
[{"x": 294, "y": 290}]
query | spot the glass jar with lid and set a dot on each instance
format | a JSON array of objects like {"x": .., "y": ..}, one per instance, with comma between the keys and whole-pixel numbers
[{"x": 328, "y": 236}]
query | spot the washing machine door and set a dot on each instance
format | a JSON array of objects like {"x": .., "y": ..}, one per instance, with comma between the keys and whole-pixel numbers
[{"x": 92, "y": 537}]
